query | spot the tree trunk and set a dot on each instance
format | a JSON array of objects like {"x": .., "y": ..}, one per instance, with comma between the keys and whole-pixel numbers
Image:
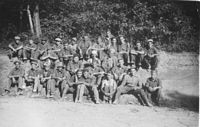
[
  {"x": 37, "y": 21},
  {"x": 30, "y": 20},
  {"x": 20, "y": 18}
]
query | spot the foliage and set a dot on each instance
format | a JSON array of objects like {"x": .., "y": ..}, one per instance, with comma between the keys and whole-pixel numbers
[{"x": 163, "y": 20}]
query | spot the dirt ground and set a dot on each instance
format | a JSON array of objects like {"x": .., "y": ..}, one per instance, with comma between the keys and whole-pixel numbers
[{"x": 179, "y": 105}]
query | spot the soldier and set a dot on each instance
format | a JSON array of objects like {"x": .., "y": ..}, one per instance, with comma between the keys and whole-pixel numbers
[
  {"x": 16, "y": 48},
  {"x": 83, "y": 47},
  {"x": 57, "y": 47},
  {"x": 108, "y": 62},
  {"x": 131, "y": 83},
  {"x": 87, "y": 82},
  {"x": 16, "y": 77},
  {"x": 60, "y": 77},
  {"x": 151, "y": 56},
  {"x": 123, "y": 50},
  {"x": 137, "y": 55},
  {"x": 43, "y": 47},
  {"x": 153, "y": 88},
  {"x": 66, "y": 54},
  {"x": 108, "y": 88},
  {"x": 46, "y": 80},
  {"x": 29, "y": 50},
  {"x": 33, "y": 77},
  {"x": 74, "y": 65},
  {"x": 119, "y": 71}
]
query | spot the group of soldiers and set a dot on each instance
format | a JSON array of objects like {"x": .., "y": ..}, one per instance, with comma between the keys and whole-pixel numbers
[{"x": 106, "y": 66}]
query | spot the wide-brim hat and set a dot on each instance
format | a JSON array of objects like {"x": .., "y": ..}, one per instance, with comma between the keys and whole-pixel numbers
[{"x": 34, "y": 61}]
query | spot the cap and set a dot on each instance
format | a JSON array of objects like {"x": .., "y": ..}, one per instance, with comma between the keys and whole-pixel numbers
[
  {"x": 60, "y": 64},
  {"x": 150, "y": 40},
  {"x": 17, "y": 38},
  {"x": 74, "y": 39},
  {"x": 58, "y": 39}
]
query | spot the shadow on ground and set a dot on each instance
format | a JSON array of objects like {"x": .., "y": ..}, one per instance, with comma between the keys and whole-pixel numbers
[{"x": 178, "y": 100}]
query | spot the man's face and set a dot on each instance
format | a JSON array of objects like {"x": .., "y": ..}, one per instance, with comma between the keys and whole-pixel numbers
[
  {"x": 114, "y": 40},
  {"x": 121, "y": 62},
  {"x": 59, "y": 68},
  {"x": 58, "y": 42},
  {"x": 138, "y": 45},
  {"x": 17, "y": 41},
  {"x": 79, "y": 74},
  {"x": 43, "y": 41},
  {"x": 76, "y": 59},
  {"x": 122, "y": 39},
  {"x": 153, "y": 74},
  {"x": 66, "y": 46},
  {"x": 17, "y": 65},
  {"x": 132, "y": 71},
  {"x": 109, "y": 76},
  {"x": 33, "y": 66},
  {"x": 31, "y": 42},
  {"x": 86, "y": 74},
  {"x": 150, "y": 44}
]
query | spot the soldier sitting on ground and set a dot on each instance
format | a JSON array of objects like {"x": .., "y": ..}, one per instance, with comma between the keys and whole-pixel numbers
[
  {"x": 16, "y": 77},
  {"x": 153, "y": 88},
  {"x": 131, "y": 83},
  {"x": 87, "y": 82},
  {"x": 33, "y": 77},
  {"x": 108, "y": 88}
]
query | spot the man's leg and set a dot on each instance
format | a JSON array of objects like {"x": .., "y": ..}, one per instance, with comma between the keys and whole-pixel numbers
[
  {"x": 10, "y": 54},
  {"x": 36, "y": 84},
  {"x": 20, "y": 85},
  {"x": 121, "y": 90},
  {"x": 64, "y": 88},
  {"x": 52, "y": 84},
  {"x": 154, "y": 63},
  {"x": 82, "y": 88},
  {"x": 77, "y": 93},
  {"x": 141, "y": 93},
  {"x": 96, "y": 94},
  {"x": 24, "y": 51},
  {"x": 20, "y": 53},
  {"x": 156, "y": 96}
]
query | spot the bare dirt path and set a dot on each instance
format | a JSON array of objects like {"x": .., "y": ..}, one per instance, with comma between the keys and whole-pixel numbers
[{"x": 180, "y": 107}]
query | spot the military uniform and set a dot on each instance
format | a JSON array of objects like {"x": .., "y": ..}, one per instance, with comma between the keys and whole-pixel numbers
[
  {"x": 153, "y": 94},
  {"x": 29, "y": 50},
  {"x": 151, "y": 61},
  {"x": 47, "y": 82},
  {"x": 18, "y": 53},
  {"x": 16, "y": 76},
  {"x": 61, "y": 79},
  {"x": 131, "y": 83},
  {"x": 88, "y": 84},
  {"x": 33, "y": 78}
]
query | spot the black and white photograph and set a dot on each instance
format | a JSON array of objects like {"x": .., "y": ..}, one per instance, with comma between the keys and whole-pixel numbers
[{"x": 99, "y": 63}]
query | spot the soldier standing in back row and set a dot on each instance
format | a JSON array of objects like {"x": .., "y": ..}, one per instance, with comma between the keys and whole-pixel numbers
[{"x": 16, "y": 48}]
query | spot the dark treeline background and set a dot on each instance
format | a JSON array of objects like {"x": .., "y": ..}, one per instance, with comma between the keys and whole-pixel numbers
[{"x": 174, "y": 25}]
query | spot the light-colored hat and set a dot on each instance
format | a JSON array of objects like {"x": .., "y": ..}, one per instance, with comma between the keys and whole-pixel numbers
[
  {"x": 74, "y": 39},
  {"x": 94, "y": 52},
  {"x": 60, "y": 64},
  {"x": 17, "y": 38},
  {"x": 150, "y": 40},
  {"x": 58, "y": 39}
]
